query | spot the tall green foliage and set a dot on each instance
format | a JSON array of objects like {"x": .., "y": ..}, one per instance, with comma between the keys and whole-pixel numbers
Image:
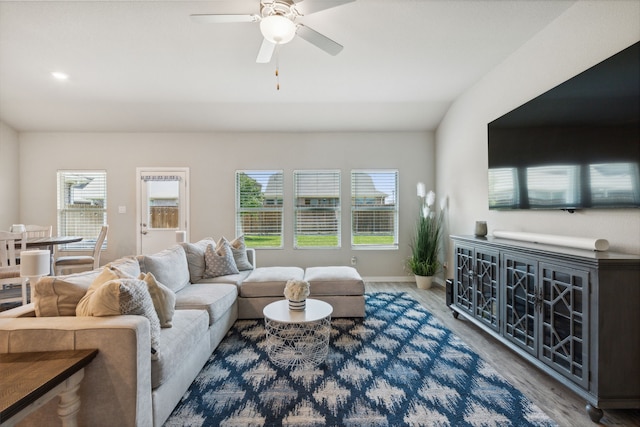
[
  {"x": 251, "y": 191},
  {"x": 425, "y": 245}
]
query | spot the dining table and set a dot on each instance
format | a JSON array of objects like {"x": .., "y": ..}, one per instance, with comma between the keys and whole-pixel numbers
[{"x": 50, "y": 242}]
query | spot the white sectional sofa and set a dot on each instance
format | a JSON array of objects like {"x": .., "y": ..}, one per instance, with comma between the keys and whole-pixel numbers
[{"x": 124, "y": 385}]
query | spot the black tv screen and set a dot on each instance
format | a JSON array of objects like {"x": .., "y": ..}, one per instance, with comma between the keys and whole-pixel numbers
[{"x": 575, "y": 146}]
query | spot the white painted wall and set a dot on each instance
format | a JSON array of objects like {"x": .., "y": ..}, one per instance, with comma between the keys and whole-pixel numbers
[
  {"x": 213, "y": 159},
  {"x": 9, "y": 164},
  {"x": 584, "y": 35}
]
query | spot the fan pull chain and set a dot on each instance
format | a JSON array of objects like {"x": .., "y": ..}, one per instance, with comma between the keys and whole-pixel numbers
[{"x": 277, "y": 68}]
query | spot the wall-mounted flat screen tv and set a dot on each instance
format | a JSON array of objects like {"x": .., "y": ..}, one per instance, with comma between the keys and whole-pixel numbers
[{"x": 576, "y": 146}]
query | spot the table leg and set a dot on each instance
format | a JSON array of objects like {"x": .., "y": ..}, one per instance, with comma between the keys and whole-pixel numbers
[{"x": 69, "y": 404}]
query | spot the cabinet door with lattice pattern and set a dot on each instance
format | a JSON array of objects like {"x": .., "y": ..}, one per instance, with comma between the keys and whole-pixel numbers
[
  {"x": 463, "y": 286},
  {"x": 564, "y": 320},
  {"x": 486, "y": 265},
  {"x": 520, "y": 301}
]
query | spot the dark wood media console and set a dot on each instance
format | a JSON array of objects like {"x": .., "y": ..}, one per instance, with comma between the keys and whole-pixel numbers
[{"x": 573, "y": 313}]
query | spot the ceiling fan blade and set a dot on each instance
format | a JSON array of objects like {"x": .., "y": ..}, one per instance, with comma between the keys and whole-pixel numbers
[
  {"x": 224, "y": 19},
  {"x": 321, "y": 41},
  {"x": 313, "y": 6},
  {"x": 266, "y": 52}
]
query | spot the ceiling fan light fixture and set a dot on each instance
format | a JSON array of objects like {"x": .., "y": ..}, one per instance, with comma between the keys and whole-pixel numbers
[{"x": 277, "y": 29}]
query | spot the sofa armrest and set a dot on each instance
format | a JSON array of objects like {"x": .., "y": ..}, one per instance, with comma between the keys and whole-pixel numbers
[
  {"x": 27, "y": 310},
  {"x": 251, "y": 256},
  {"x": 116, "y": 389}
]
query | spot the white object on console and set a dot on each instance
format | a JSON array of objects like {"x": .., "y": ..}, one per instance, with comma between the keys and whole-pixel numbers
[{"x": 588, "y": 243}]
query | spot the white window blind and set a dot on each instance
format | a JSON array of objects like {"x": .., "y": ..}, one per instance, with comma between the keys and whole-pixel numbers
[
  {"x": 317, "y": 209},
  {"x": 374, "y": 209},
  {"x": 82, "y": 207},
  {"x": 259, "y": 201}
]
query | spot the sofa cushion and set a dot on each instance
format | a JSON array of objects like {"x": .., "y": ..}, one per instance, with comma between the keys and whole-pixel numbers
[
  {"x": 121, "y": 296},
  {"x": 127, "y": 266},
  {"x": 168, "y": 266},
  {"x": 338, "y": 280},
  {"x": 195, "y": 257},
  {"x": 164, "y": 299},
  {"x": 214, "y": 298},
  {"x": 189, "y": 328},
  {"x": 59, "y": 295},
  {"x": 219, "y": 261},
  {"x": 236, "y": 279},
  {"x": 269, "y": 281}
]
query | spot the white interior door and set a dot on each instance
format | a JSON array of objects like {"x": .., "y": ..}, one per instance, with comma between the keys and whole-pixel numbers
[{"x": 163, "y": 207}]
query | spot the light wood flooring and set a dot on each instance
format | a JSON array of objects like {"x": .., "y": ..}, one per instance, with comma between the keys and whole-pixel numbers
[{"x": 560, "y": 403}]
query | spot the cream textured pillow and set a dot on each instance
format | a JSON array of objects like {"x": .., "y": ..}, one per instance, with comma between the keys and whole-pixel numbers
[
  {"x": 219, "y": 261},
  {"x": 164, "y": 299},
  {"x": 239, "y": 250},
  {"x": 122, "y": 296},
  {"x": 106, "y": 275},
  {"x": 59, "y": 295}
]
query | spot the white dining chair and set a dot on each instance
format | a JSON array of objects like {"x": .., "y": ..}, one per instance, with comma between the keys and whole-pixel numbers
[
  {"x": 73, "y": 263},
  {"x": 38, "y": 230},
  {"x": 9, "y": 267},
  {"x": 35, "y": 231}
]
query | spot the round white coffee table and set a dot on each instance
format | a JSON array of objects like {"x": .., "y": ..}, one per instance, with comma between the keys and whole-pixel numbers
[{"x": 297, "y": 338}]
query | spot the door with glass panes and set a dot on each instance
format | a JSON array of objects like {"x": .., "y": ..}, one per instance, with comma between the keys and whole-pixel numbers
[{"x": 163, "y": 206}]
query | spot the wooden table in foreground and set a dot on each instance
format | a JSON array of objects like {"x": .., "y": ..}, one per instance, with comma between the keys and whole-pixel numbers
[{"x": 29, "y": 380}]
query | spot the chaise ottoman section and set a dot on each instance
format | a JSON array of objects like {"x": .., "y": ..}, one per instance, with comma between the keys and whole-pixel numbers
[
  {"x": 338, "y": 280},
  {"x": 340, "y": 286},
  {"x": 264, "y": 286}
]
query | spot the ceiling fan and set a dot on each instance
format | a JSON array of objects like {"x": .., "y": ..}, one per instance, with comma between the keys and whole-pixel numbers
[{"x": 278, "y": 24}]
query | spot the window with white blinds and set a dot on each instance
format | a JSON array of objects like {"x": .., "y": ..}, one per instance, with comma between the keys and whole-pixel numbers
[
  {"x": 82, "y": 207},
  {"x": 374, "y": 209},
  {"x": 316, "y": 208},
  {"x": 259, "y": 202}
]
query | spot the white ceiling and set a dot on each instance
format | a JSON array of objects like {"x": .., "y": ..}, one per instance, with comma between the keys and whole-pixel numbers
[{"x": 144, "y": 66}]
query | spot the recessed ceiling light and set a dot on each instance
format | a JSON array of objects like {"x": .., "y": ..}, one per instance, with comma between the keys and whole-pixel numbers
[{"x": 59, "y": 75}]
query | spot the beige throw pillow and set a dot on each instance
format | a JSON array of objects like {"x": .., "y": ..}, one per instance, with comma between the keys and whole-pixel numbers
[
  {"x": 122, "y": 296},
  {"x": 164, "y": 299},
  {"x": 106, "y": 275}
]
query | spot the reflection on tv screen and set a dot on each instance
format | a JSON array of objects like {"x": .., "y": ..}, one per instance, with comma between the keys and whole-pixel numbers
[{"x": 565, "y": 186}]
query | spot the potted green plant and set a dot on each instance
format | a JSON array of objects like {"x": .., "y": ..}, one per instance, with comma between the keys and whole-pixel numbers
[{"x": 424, "y": 261}]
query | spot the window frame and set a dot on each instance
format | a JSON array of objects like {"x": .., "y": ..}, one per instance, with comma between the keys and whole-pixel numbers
[
  {"x": 278, "y": 208},
  {"x": 316, "y": 204},
  {"x": 395, "y": 209},
  {"x": 67, "y": 227}
]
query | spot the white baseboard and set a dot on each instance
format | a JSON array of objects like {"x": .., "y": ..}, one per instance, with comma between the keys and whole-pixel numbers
[
  {"x": 389, "y": 279},
  {"x": 410, "y": 279}
]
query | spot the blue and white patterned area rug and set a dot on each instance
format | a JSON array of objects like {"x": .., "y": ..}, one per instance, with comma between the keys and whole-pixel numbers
[{"x": 399, "y": 366}]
